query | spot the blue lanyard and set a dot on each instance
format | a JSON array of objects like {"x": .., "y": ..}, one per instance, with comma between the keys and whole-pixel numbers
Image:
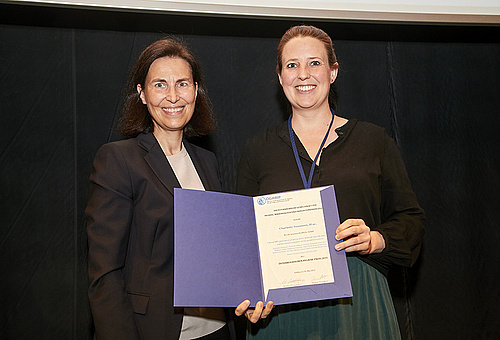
[{"x": 307, "y": 184}]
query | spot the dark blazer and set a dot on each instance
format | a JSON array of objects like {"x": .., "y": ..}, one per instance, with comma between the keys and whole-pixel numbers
[{"x": 130, "y": 237}]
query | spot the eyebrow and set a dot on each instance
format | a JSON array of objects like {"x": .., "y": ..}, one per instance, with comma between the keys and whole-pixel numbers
[
  {"x": 309, "y": 58},
  {"x": 165, "y": 81}
]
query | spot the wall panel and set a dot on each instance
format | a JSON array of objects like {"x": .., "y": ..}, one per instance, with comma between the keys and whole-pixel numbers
[{"x": 434, "y": 88}]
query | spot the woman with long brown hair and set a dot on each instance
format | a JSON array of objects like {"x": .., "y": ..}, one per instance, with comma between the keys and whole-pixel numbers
[{"x": 130, "y": 210}]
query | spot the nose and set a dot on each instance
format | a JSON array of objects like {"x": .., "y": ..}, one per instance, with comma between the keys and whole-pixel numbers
[
  {"x": 171, "y": 94},
  {"x": 303, "y": 72}
]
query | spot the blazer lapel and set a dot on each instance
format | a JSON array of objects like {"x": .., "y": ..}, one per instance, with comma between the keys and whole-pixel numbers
[
  {"x": 201, "y": 167},
  {"x": 158, "y": 162}
]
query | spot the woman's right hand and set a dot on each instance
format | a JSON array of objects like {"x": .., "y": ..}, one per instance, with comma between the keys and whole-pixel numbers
[{"x": 254, "y": 314}]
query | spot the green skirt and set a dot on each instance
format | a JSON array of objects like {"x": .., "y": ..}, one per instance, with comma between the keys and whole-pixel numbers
[{"x": 369, "y": 314}]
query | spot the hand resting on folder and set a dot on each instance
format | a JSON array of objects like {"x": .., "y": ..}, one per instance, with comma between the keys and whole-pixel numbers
[
  {"x": 357, "y": 236},
  {"x": 254, "y": 314}
]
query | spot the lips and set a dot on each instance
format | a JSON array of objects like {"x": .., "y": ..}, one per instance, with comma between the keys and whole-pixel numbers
[
  {"x": 305, "y": 88},
  {"x": 172, "y": 110}
]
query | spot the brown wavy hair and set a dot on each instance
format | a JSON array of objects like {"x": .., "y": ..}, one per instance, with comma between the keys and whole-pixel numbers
[
  {"x": 316, "y": 33},
  {"x": 136, "y": 119}
]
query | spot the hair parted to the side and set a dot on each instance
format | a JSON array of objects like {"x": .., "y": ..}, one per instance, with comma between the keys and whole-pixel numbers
[
  {"x": 135, "y": 118},
  {"x": 316, "y": 33}
]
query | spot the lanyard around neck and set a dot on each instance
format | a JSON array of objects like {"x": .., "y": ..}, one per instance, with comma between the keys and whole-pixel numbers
[{"x": 307, "y": 183}]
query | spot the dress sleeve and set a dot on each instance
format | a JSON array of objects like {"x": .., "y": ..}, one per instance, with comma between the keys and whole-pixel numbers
[
  {"x": 109, "y": 214},
  {"x": 402, "y": 218}
]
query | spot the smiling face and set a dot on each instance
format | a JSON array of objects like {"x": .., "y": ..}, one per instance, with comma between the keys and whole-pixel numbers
[
  {"x": 306, "y": 75},
  {"x": 170, "y": 94}
]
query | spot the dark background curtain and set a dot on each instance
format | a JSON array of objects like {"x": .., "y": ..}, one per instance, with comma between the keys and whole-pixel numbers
[{"x": 435, "y": 88}]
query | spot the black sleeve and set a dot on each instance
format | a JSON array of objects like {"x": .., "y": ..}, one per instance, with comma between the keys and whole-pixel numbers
[
  {"x": 109, "y": 214},
  {"x": 402, "y": 218}
]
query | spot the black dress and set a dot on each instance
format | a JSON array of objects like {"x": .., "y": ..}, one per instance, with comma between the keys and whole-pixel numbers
[{"x": 371, "y": 183}]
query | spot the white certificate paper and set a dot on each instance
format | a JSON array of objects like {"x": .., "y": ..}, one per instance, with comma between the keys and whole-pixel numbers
[{"x": 293, "y": 242}]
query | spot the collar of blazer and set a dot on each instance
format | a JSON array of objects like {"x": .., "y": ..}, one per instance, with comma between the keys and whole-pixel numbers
[{"x": 161, "y": 167}]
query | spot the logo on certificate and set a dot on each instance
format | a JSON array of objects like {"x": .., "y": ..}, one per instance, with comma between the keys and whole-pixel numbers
[{"x": 261, "y": 201}]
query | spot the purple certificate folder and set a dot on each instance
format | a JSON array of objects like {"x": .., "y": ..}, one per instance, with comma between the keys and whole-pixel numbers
[{"x": 216, "y": 253}]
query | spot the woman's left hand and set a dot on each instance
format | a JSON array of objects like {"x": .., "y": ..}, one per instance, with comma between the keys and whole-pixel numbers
[{"x": 358, "y": 237}]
